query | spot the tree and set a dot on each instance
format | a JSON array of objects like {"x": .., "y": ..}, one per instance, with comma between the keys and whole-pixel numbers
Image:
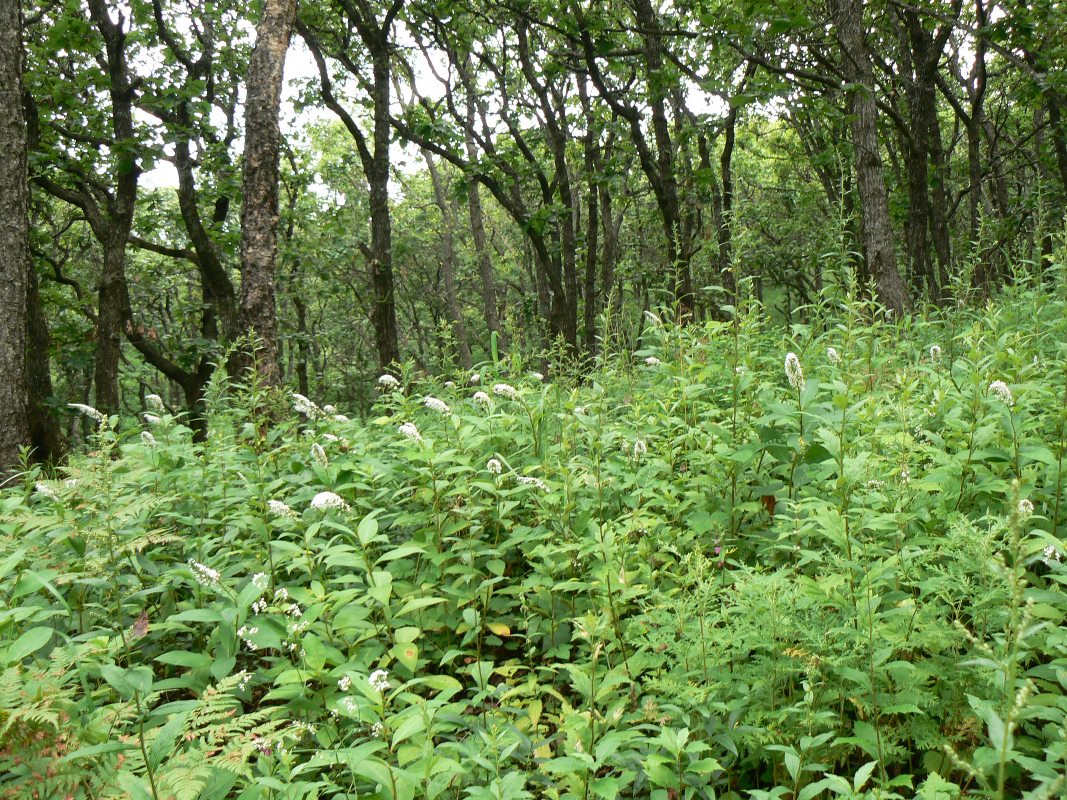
[
  {"x": 14, "y": 242},
  {"x": 870, "y": 180},
  {"x": 259, "y": 209}
]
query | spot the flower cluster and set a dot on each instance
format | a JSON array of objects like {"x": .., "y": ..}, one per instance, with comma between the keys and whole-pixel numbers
[
  {"x": 388, "y": 383},
  {"x": 652, "y": 361},
  {"x": 494, "y": 466},
  {"x": 1025, "y": 508},
  {"x": 88, "y": 411},
  {"x": 475, "y": 378},
  {"x": 409, "y": 430},
  {"x": 148, "y": 439},
  {"x": 833, "y": 356},
  {"x": 537, "y": 483},
  {"x": 1051, "y": 555},
  {"x": 319, "y": 455},
  {"x": 151, "y": 419},
  {"x": 481, "y": 398},
  {"x": 245, "y": 634},
  {"x": 506, "y": 390},
  {"x": 306, "y": 407},
  {"x": 639, "y": 448},
  {"x": 434, "y": 404},
  {"x": 1002, "y": 392},
  {"x": 327, "y": 500},
  {"x": 279, "y": 509},
  {"x": 204, "y": 575},
  {"x": 379, "y": 680},
  {"x": 344, "y": 683},
  {"x": 45, "y": 490},
  {"x": 935, "y": 352},
  {"x": 155, "y": 402},
  {"x": 794, "y": 372}
]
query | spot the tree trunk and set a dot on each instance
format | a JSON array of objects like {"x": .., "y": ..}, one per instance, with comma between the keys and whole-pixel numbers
[
  {"x": 448, "y": 263},
  {"x": 870, "y": 179},
  {"x": 381, "y": 230},
  {"x": 14, "y": 242},
  {"x": 259, "y": 211},
  {"x": 481, "y": 250}
]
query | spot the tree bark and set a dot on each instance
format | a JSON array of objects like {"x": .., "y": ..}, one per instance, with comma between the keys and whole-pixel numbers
[
  {"x": 259, "y": 211},
  {"x": 474, "y": 207},
  {"x": 870, "y": 178},
  {"x": 448, "y": 262},
  {"x": 14, "y": 243}
]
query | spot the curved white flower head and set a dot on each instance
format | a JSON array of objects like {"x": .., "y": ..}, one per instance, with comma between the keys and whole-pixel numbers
[
  {"x": 88, "y": 411},
  {"x": 260, "y": 581},
  {"x": 340, "y": 418},
  {"x": 494, "y": 466},
  {"x": 148, "y": 439},
  {"x": 409, "y": 430},
  {"x": 1025, "y": 508},
  {"x": 330, "y": 437},
  {"x": 475, "y": 378},
  {"x": 652, "y": 361},
  {"x": 388, "y": 383},
  {"x": 506, "y": 390},
  {"x": 537, "y": 376},
  {"x": 833, "y": 356},
  {"x": 653, "y": 318},
  {"x": 1002, "y": 392},
  {"x": 45, "y": 490},
  {"x": 537, "y": 483},
  {"x": 935, "y": 352},
  {"x": 579, "y": 409},
  {"x": 481, "y": 398},
  {"x": 450, "y": 384},
  {"x": 205, "y": 575},
  {"x": 327, "y": 500},
  {"x": 379, "y": 680},
  {"x": 434, "y": 404},
  {"x": 151, "y": 419},
  {"x": 328, "y": 409},
  {"x": 319, "y": 454},
  {"x": 640, "y": 448},
  {"x": 301, "y": 405},
  {"x": 344, "y": 683},
  {"x": 279, "y": 509},
  {"x": 155, "y": 402},
  {"x": 794, "y": 372}
]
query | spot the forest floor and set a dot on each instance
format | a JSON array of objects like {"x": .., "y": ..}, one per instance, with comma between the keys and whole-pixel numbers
[{"x": 711, "y": 569}]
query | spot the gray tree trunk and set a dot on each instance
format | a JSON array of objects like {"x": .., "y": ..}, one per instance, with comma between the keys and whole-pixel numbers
[
  {"x": 14, "y": 241},
  {"x": 870, "y": 178},
  {"x": 259, "y": 211}
]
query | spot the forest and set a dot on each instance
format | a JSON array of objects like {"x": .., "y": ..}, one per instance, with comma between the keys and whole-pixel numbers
[{"x": 505, "y": 399}]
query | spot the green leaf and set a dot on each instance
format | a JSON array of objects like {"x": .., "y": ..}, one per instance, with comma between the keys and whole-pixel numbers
[{"x": 27, "y": 644}]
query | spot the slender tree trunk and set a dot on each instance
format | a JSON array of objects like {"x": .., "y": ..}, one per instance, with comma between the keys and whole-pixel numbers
[
  {"x": 474, "y": 207},
  {"x": 381, "y": 230},
  {"x": 870, "y": 178},
  {"x": 448, "y": 262},
  {"x": 259, "y": 211},
  {"x": 14, "y": 242}
]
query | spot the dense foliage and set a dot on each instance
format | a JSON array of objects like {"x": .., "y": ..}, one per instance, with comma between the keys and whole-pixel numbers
[{"x": 703, "y": 569}]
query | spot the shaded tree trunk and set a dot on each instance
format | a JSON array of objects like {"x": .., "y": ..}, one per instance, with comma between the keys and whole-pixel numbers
[
  {"x": 448, "y": 262},
  {"x": 474, "y": 206},
  {"x": 14, "y": 243},
  {"x": 870, "y": 178},
  {"x": 259, "y": 211}
]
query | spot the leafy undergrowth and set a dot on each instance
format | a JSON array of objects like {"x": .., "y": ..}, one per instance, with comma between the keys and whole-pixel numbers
[{"x": 692, "y": 574}]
